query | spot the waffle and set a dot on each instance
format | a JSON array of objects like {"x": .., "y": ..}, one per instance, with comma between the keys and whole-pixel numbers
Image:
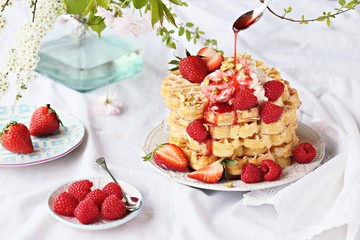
[{"x": 232, "y": 134}]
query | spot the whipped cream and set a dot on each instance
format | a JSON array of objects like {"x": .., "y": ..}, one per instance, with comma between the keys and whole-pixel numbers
[
  {"x": 220, "y": 85},
  {"x": 252, "y": 78}
]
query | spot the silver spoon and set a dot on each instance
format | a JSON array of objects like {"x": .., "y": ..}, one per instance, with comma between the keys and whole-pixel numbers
[
  {"x": 251, "y": 17},
  {"x": 131, "y": 203}
]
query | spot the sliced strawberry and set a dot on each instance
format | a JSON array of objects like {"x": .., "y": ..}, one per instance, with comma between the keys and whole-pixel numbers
[
  {"x": 169, "y": 156},
  {"x": 197, "y": 130},
  {"x": 209, "y": 174},
  {"x": 212, "y": 58}
]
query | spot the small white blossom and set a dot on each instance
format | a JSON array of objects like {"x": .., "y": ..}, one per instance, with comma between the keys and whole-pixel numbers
[
  {"x": 107, "y": 105},
  {"x": 4, "y": 84},
  {"x": 129, "y": 22},
  {"x": 23, "y": 58},
  {"x": 2, "y": 22}
]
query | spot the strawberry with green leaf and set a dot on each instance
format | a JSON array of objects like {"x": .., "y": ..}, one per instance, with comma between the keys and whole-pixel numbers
[
  {"x": 192, "y": 68},
  {"x": 44, "y": 121},
  {"x": 15, "y": 137},
  {"x": 168, "y": 156}
]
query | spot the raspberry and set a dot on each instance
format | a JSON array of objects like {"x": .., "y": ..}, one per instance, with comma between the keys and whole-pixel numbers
[
  {"x": 273, "y": 89},
  {"x": 250, "y": 173},
  {"x": 304, "y": 153},
  {"x": 244, "y": 100},
  {"x": 65, "y": 204},
  {"x": 80, "y": 189},
  {"x": 270, "y": 169},
  {"x": 98, "y": 196},
  {"x": 113, "y": 208},
  {"x": 87, "y": 212},
  {"x": 270, "y": 112},
  {"x": 113, "y": 188},
  {"x": 197, "y": 130}
]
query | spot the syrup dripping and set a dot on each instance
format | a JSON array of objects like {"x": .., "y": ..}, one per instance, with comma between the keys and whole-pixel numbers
[{"x": 242, "y": 23}]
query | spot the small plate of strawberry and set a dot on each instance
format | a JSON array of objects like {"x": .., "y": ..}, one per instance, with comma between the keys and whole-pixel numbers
[
  {"x": 36, "y": 134},
  {"x": 92, "y": 203},
  {"x": 169, "y": 160}
]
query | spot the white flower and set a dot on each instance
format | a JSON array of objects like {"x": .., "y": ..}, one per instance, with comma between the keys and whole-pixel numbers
[
  {"x": 107, "y": 105},
  {"x": 129, "y": 22},
  {"x": 21, "y": 60},
  {"x": 107, "y": 15},
  {"x": 4, "y": 84}
]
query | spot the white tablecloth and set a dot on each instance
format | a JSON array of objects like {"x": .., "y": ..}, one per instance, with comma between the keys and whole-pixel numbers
[{"x": 323, "y": 63}]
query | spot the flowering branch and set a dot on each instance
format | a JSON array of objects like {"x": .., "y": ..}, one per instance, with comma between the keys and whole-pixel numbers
[
  {"x": 33, "y": 5},
  {"x": 344, "y": 7},
  {"x": 5, "y": 5}
]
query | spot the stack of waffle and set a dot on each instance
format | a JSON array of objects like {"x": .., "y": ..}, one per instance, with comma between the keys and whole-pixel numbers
[{"x": 234, "y": 134}]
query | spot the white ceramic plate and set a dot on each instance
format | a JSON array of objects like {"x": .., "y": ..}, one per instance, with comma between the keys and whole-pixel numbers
[
  {"x": 291, "y": 173},
  {"x": 46, "y": 149},
  {"x": 99, "y": 182}
]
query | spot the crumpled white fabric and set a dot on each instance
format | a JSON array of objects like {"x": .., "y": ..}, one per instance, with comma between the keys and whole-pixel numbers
[{"x": 330, "y": 194}]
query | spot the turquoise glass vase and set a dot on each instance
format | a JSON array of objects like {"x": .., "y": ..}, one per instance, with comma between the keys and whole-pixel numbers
[{"x": 85, "y": 62}]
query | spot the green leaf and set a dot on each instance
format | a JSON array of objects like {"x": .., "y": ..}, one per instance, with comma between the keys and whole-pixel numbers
[
  {"x": 181, "y": 31},
  {"x": 156, "y": 11},
  {"x": 103, "y": 3},
  {"x": 138, "y": 4},
  {"x": 96, "y": 23},
  {"x": 76, "y": 6},
  {"x": 342, "y": 2},
  {"x": 91, "y": 7},
  {"x": 328, "y": 22},
  {"x": 188, "y": 35},
  {"x": 176, "y": 2},
  {"x": 169, "y": 16},
  {"x": 189, "y": 24},
  {"x": 176, "y": 62},
  {"x": 230, "y": 162},
  {"x": 321, "y": 18},
  {"x": 287, "y": 10}
]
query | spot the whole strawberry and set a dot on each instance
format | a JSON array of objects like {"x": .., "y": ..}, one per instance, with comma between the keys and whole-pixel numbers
[
  {"x": 15, "y": 137},
  {"x": 112, "y": 188},
  {"x": 304, "y": 153},
  {"x": 250, "y": 173},
  {"x": 113, "y": 208},
  {"x": 65, "y": 204},
  {"x": 273, "y": 89},
  {"x": 44, "y": 121},
  {"x": 270, "y": 169},
  {"x": 244, "y": 100},
  {"x": 87, "y": 212},
  {"x": 80, "y": 189},
  {"x": 197, "y": 131},
  {"x": 270, "y": 112},
  {"x": 98, "y": 196},
  {"x": 193, "y": 68}
]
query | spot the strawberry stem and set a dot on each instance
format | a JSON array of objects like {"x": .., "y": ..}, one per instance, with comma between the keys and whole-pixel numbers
[
  {"x": 51, "y": 110},
  {"x": 150, "y": 155}
]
